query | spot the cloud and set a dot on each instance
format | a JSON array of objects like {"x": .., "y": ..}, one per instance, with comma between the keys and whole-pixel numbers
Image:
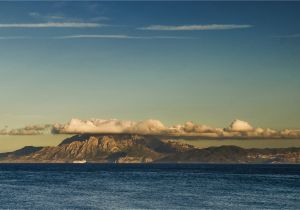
[
  {"x": 119, "y": 36},
  {"x": 28, "y": 130},
  {"x": 77, "y": 126},
  {"x": 34, "y": 14},
  {"x": 195, "y": 27},
  {"x": 52, "y": 25},
  {"x": 240, "y": 126},
  {"x": 97, "y": 36},
  {"x": 190, "y": 128},
  {"x": 99, "y": 18},
  {"x": 49, "y": 17},
  {"x": 289, "y": 36},
  {"x": 13, "y": 37},
  {"x": 62, "y": 17},
  {"x": 238, "y": 129},
  {"x": 147, "y": 127}
]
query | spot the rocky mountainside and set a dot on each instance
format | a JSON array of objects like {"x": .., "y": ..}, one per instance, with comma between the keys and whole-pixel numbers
[
  {"x": 129, "y": 148},
  {"x": 101, "y": 148},
  {"x": 20, "y": 152}
]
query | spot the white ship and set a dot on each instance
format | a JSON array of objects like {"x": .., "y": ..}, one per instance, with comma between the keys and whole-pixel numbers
[{"x": 79, "y": 161}]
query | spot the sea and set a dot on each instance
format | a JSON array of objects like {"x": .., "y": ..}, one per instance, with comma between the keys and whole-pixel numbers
[{"x": 149, "y": 186}]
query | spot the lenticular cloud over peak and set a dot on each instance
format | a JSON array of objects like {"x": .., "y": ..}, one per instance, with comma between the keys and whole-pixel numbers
[{"x": 76, "y": 126}]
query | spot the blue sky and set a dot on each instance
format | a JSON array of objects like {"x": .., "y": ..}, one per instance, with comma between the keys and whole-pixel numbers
[{"x": 209, "y": 62}]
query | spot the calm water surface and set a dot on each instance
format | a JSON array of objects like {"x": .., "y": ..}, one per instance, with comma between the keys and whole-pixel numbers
[{"x": 158, "y": 186}]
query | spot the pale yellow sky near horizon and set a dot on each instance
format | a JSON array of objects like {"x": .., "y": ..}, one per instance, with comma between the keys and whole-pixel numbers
[{"x": 12, "y": 143}]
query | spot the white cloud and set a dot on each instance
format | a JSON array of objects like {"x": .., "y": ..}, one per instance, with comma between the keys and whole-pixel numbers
[
  {"x": 97, "y": 36},
  {"x": 195, "y": 27},
  {"x": 49, "y": 17},
  {"x": 147, "y": 127},
  {"x": 291, "y": 133},
  {"x": 52, "y": 25},
  {"x": 190, "y": 128},
  {"x": 28, "y": 130},
  {"x": 240, "y": 126},
  {"x": 119, "y": 36},
  {"x": 110, "y": 126},
  {"x": 237, "y": 129}
]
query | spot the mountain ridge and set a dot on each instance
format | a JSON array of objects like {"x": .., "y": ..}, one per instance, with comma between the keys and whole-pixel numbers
[{"x": 134, "y": 148}]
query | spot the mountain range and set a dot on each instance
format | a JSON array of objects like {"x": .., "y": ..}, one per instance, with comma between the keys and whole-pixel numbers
[{"x": 131, "y": 148}]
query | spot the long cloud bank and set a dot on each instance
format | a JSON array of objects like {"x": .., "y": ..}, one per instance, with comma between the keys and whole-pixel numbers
[
  {"x": 119, "y": 36},
  {"x": 238, "y": 129},
  {"x": 28, "y": 130},
  {"x": 51, "y": 25},
  {"x": 195, "y": 27}
]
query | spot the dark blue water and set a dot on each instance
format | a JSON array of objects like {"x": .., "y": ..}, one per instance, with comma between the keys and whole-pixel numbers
[{"x": 161, "y": 186}]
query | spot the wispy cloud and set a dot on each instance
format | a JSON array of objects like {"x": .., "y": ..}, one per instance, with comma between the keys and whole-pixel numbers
[
  {"x": 119, "y": 36},
  {"x": 288, "y": 36},
  {"x": 28, "y": 130},
  {"x": 52, "y": 25},
  {"x": 34, "y": 14},
  {"x": 195, "y": 27},
  {"x": 96, "y": 36},
  {"x": 60, "y": 17},
  {"x": 13, "y": 37},
  {"x": 52, "y": 17},
  {"x": 99, "y": 18}
]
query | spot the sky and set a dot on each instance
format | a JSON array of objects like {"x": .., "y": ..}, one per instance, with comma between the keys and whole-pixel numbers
[{"x": 208, "y": 62}]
